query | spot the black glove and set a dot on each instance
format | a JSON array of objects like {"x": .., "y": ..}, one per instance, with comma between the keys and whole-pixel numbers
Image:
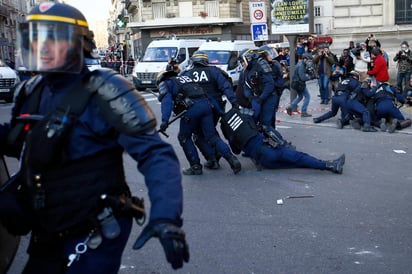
[
  {"x": 172, "y": 239},
  {"x": 163, "y": 126}
]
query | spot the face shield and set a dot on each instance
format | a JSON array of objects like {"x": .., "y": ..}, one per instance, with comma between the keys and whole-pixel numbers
[{"x": 49, "y": 47}]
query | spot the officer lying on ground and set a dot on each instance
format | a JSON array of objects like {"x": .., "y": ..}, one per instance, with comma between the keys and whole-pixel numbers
[{"x": 270, "y": 152}]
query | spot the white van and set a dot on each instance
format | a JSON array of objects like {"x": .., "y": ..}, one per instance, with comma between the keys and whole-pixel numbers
[
  {"x": 156, "y": 56},
  {"x": 224, "y": 54}
]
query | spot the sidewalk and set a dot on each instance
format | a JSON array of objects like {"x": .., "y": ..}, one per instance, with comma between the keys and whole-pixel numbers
[{"x": 316, "y": 109}]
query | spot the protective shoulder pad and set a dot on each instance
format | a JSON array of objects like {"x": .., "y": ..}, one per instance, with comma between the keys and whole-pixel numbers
[
  {"x": 264, "y": 66},
  {"x": 120, "y": 103},
  {"x": 27, "y": 86}
]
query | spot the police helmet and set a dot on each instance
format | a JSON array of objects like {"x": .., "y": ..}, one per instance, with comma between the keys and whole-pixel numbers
[
  {"x": 354, "y": 74},
  {"x": 54, "y": 38},
  {"x": 246, "y": 55},
  {"x": 200, "y": 57},
  {"x": 164, "y": 75},
  {"x": 266, "y": 50}
]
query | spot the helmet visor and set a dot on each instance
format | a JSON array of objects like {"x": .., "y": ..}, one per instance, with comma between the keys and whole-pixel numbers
[{"x": 46, "y": 47}]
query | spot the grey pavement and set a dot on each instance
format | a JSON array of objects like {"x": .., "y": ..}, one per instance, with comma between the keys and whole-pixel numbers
[{"x": 317, "y": 109}]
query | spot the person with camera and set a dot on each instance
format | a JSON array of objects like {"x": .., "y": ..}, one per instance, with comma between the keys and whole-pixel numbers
[
  {"x": 323, "y": 62},
  {"x": 404, "y": 59},
  {"x": 361, "y": 59}
]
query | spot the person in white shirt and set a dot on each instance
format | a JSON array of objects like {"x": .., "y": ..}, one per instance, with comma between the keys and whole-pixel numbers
[{"x": 361, "y": 58}]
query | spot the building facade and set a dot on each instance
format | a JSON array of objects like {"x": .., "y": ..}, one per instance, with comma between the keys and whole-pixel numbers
[
  {"x": 12, "y": 12},
  {"x": 146, "y": 20}
]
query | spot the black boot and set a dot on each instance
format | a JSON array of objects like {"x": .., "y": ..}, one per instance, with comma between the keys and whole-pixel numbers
[
  {"x": 355, "y": 124},
  {"x": 404, "y": 124},
  {"x": 212, "y": 164},
  {"x": 336, "y": 166},
  {"x": 392, "y": 127},
  {"x": 195, "y": 169},
  {"x": 289, "y": 110},
  {"x": 383, "y": 124},
  {"x": 368, "y": 128},
  {"x": 339, "y": 123},
  {"x": 234, "y": 163},
  {"x": 317, "y": 120}
]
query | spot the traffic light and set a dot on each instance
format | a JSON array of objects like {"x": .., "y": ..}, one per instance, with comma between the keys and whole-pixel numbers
[{"x": 121, "y": 23}]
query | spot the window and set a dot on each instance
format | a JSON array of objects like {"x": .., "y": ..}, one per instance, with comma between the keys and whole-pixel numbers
[
  {"x": 212, "y": 8},
  {"x": 317, "y": 11},
  {"x": 186, "y": 9},
  {"x": 403, "y": 12},
  {"x": 159, "y": 10},
  {"x": 318, "y": 28}
]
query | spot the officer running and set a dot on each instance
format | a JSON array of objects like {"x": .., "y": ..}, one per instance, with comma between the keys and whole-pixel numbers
[{"x": 71, "y": 191}]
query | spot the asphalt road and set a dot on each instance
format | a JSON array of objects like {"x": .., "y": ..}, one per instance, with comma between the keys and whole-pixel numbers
[{"x": 357, "y": 222}]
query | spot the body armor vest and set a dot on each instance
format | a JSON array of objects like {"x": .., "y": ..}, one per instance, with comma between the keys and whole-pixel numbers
[
  {"x": 188, "y": 88},
  {"x": 237, "y": 128},
  {"x": 72, "y": 192},
  {"x": 203, "y": 76}
]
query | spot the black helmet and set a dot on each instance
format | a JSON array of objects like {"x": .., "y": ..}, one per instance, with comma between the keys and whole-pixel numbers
[
  {"x": 265, "y": 51},
  {"x": 164, "y": 75},
  {"x": 200, "y": 57},
  {"x": 247, "y": 55},
  {"x": 54, "y": 38}
]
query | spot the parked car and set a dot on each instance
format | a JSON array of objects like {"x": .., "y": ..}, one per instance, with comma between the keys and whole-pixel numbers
[{"x": 8, "y": 80}]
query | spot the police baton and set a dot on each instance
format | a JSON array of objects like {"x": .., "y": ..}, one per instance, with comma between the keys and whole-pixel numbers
[{"x": 171, "y": 121}]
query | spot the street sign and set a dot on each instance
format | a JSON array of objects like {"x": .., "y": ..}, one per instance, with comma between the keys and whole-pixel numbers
[
  {"x": 259, "y": 32},
  {"x": 257, "y": 10}
]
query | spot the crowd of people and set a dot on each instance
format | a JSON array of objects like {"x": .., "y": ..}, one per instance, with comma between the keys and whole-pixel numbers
[{"x": 357, "y": 83}]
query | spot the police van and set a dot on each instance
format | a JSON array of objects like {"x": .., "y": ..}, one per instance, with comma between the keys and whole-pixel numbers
[
  {"x": 156, "y": 56},
  {"x": 224, "y": 54}
]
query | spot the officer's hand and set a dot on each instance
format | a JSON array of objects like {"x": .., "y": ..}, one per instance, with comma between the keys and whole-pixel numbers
[
  {"x": 172, "y": 239},
  {"x": 163, "y": 126}
]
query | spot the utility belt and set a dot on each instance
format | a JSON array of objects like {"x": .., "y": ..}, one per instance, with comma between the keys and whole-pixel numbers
[
  {"x": 94, "y": 231},
  {"x": 340, "y": 92}
]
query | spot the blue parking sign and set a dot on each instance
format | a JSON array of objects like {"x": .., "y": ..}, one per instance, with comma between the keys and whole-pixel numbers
[{"x": 259, "y": 32}]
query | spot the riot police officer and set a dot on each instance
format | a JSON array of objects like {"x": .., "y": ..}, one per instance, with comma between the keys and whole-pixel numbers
[
  {"x": 340, "y": 97},
  {"x": 216, "y": 83},
  {"x": 269, "y": 54},
  {"x": 258, "y": 86},
  {"x": 72, "y": 194},
  {"x": 182, "y": 95},
  {"x": 384, "y": 99},
  {"x": 269, "y": 152},
  {"x": 356, "y": 107}
]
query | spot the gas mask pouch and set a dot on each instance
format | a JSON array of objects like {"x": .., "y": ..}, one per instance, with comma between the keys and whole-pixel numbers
[{"x": 46, "y": 142}]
